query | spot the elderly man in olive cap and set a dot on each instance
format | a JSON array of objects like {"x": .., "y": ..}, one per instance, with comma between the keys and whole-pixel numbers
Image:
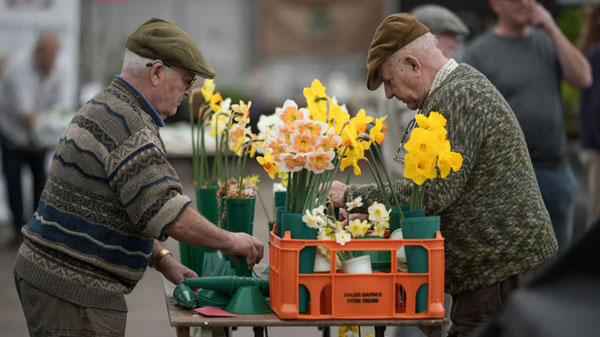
[
  {"x": 112, "y": 196},
  {"x": 449, "y": 30},
  {"x": 496, "y": 228}
]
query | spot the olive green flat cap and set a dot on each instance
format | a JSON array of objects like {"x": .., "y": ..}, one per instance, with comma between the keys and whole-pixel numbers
[
  {"x": 159, "y": 39},
  {"x": 393, "y": 33}
]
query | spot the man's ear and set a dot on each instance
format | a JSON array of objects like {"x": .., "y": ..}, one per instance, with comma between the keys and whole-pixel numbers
[
  {"x": 155, "y": 71},
  {"x": 413, "y": 64}
]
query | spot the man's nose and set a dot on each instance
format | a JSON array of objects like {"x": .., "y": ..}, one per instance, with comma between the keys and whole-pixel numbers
[{"x": 389, "y": 93}]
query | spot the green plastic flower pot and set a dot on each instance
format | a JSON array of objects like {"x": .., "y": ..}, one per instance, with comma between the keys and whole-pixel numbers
[
  {"x": 240, "y": 218},
  {"x": 407, "y": 213},
  {"x": 207, "y": 297},
  {"x": 279, "y": 211},
  {"x": 248, "y": 300},
  {"x": 279, "y": 198},
  {"x": 193, "y": 256},
  {"x": 417, "y": 257},
  {"x": 293, "y": 223}
]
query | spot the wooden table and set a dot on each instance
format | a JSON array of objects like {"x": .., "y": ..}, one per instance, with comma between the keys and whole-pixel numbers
[{"x": 182, "y": 319}]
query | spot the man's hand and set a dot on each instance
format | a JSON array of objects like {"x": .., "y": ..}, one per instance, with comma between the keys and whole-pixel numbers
[
  {"x": 246, "y": 245},
  {"x": 336, "y": 193},
  {"x": 540, "y": 17},
  {"x": 344, "y": 216},
  {"x": 173, "y": 270}
]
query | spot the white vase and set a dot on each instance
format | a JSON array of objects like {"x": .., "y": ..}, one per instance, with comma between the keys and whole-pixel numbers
[
  {"x": 358, "y": 265},
  {"x": 400, "y": 253}
]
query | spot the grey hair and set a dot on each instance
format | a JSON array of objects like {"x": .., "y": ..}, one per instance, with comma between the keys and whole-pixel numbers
[
  {"x": 134, "y": 63},
  {"x": 422, "y": 47}
]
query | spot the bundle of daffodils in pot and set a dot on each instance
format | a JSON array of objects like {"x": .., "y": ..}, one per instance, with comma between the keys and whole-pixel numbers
[
  {"x": 311, "y": 143},
  {"x": 428, "y": 151},
  {"x": 210, "y": 117}
]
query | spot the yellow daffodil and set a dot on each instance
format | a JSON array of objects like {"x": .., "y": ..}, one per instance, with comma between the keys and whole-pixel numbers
[
  {"x": 448, "y": 160},
  {"x": 218, "y": 124},
  {"x": 242, "y": 111},
  {"x": 377, "y": 131},
  {"x": 360, "y": 121},
  {"x": 253, "y": 179},
  {"x": 419, "y": 167},
  {"x": 208, "y": 89},
  {"x": 350, "y": 162},
  {"x": 214, "y": 102},
  {"x": 423, "y": 141},
  {"x": 316, "y": 101},
  {"x": 283, "y": 177},
  {"x": 337, "y": 118},
  {"x": 268, "y": 163},
  {"x": 434, "y": 123}
]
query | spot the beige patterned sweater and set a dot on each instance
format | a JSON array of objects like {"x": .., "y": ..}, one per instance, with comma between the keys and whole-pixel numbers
[{"x": 110, "y": 193}]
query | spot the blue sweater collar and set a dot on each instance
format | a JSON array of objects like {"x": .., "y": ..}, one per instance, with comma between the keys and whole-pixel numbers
[{"x": 153, "y": 113}]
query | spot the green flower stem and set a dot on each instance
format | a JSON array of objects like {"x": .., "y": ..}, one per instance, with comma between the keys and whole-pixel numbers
[
  {"x": 387, "y": 176},
  {"x": 378, "y": 180},
  {"x": 194, "y": 150},
  {"x": 262, "y": 203},
  {"x": 414, "y": 196}
]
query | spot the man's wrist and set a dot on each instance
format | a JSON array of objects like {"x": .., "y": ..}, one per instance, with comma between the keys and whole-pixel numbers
[{"x": 154, "y": 261}]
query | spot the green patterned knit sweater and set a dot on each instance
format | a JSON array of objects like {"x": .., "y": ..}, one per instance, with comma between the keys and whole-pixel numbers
[
  {"x": 493, "y": 218},
  {"x": 110, "y": 193}
]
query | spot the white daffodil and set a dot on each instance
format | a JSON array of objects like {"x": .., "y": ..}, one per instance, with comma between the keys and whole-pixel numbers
[
  {"x": 378, "y": 213},
  {"x": 379, "y": 230},
  {"x": 310, "y": 220},
  {"x": 356, "y": 203},
  {"x": 357, "y": 227},
  {"x": 319, "y": 211},
  {"x": 341, "y": 237},
  {"x": 278, "y": 187}
]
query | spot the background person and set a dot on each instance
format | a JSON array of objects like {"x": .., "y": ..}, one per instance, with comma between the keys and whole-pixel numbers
[
  {"x": 490, "y": 247},
  {"x": 32, "y": 84},
  {"x": 526, "y": 56},
  {"x": 112, "y": 195},
  {"x": 589, "y": 113}
]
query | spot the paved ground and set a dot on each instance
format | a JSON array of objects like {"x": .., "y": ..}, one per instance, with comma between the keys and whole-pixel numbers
[{"x": 147, "y": 312}]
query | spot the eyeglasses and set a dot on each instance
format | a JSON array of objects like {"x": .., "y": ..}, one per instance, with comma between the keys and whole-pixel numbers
[
  {"x": 399, "y": 156},
  {"x": 188, "y": 83}
]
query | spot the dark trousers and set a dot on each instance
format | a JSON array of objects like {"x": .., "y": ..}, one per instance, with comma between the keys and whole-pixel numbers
[
  {"x": 13, "y": 159},
  {"x": 472, "y": 309}
]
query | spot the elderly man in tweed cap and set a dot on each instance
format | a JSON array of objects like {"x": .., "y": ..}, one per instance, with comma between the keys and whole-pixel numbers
[
  {"x": 497, "y": 230},
  {"x": 112, "y": 196},
  {"x": 449, "y": 31}
]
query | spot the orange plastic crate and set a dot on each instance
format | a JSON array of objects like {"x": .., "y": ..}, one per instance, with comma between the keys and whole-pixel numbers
[{"x": 335, "y": 295}]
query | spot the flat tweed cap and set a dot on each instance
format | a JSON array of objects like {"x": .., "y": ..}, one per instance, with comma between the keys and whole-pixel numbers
[
  {"x": 393, "y": 33},
  {"x": 162, "y": 40},
  {"x": 440, "y": 19}
]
